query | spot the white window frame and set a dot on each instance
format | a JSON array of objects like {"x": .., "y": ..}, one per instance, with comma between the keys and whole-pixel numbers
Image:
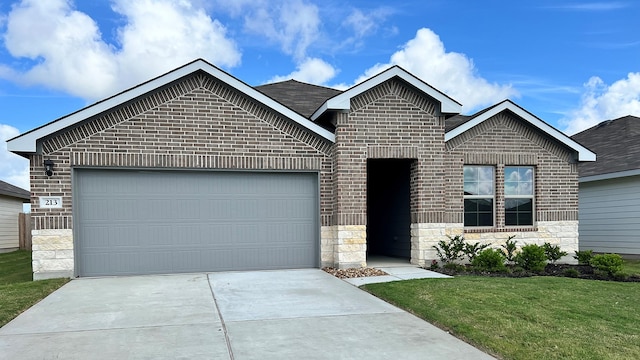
[
  {"x": 532, "y": 196},
  {"x": 492, "y": 197}
]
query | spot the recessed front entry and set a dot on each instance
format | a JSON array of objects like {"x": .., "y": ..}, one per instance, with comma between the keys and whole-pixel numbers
[
  {"x": 389, "y": 207},
  {"x": 155, "y": 222}
]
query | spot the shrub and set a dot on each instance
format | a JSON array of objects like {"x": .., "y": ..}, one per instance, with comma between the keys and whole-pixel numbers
[
  {"x": 553, "y": 252},
  {"x": 583, "y": 257},
  {"x": 620, "y": 276},
  {"x": 472, "y": 250},
  {"x": 510, "y": 249},
  {"x": 572, "y": 273},
  {"x": 450, "y": 251},
  {"x": 609, "y": 263},
  {"x": 458, "y": 268},
  {"x": 518, "y": 271},
  {"x": 489, "y": 260},
  {"x": 532, "y": 258}
]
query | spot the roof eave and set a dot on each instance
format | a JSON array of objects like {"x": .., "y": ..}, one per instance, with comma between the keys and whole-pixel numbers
[
  {"x": 343, "y": 101},
  {"x": 27, "y": 142},
  {"x": 584, "y": 154},
  {"x": 24, "y": 199},
  {"x": 609, "y": 176}
]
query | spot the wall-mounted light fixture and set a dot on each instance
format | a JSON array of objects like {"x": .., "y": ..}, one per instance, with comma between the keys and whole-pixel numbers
[{"x": 48, "y": 167}]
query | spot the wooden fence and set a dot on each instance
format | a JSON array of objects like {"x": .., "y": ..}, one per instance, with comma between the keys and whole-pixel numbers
[{"x": 24, "y": 231}]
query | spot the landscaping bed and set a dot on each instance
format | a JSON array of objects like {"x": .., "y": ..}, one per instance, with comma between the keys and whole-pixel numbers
[
  {"x": 562, "y": 270},
  {"x": 459, "y": 257},
  {"x": 353, "y": 272}
]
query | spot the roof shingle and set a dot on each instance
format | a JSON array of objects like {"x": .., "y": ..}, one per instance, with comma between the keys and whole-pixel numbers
[
  {"x": 14, "y": 191},
  {"x": 616, "y": 144},
  {"x": 300, "y": 97}
]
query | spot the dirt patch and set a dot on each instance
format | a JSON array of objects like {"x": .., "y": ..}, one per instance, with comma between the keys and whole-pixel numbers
[{"x": 353, "y": 272}]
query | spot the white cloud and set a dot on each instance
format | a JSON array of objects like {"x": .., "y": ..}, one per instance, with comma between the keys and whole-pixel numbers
[
  {"x": 591, "y": 6},
  {"x": 364, "y": 24},
  {"x": 311, "y": 70},
  {"x": 171, "y": 32},
  {"x": 292, "y": 24},
  {"x": 361, "y": 23},
  {"x": 604, "y": 102},
  {"x": 70, "y": 54},
  {"x": 450, "y": 72},
  {"x": 14, "y": 169}
]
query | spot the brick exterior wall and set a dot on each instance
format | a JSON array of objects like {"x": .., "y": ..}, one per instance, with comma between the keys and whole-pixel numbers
[
  {"x": 500, "y": 141},
  {"x": 389, "y": 121},
  {"x": 200, "y": 123},
  {"x": 505, "y": 140},
  {"x": 197, "y": 123}
]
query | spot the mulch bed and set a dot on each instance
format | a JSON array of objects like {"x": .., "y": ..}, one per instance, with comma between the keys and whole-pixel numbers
[
  {"x": 562, "y": 270},
  {"x": 353, "y": 272}
]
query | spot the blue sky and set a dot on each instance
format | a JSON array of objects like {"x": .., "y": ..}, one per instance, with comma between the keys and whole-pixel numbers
[{"x": 571, "y": 63}]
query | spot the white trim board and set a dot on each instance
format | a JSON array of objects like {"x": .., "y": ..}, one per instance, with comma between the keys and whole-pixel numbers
[
  {"x": 26, "y": 143},
  {"x": 342, "y": 101},
  {"x": 584, "y": 154}
]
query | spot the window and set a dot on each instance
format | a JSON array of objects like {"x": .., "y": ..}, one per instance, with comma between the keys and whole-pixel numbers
[
  {"x": 518, "y": 195},
  {"x": 478, "y": 195}
]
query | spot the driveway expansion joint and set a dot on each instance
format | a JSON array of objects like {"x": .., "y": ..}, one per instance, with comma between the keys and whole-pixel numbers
[
  {"x": 222, "y": 323},
  {"x": 280, "y": 314}
]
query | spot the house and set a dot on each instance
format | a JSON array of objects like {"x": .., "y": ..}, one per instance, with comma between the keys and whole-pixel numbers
[
  {"x": 197, "y": 171},
  {"x": 609, "y": 209},
  {"x": 11, "y": 200}
]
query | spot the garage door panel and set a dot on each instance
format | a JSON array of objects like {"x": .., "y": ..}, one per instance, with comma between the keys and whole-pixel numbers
[
  {"x": 245, "y": 234},
  {"x": 93, "y": 212},
  {"x": 96, "y": 236},
  {"x": 133, "y": 222}
]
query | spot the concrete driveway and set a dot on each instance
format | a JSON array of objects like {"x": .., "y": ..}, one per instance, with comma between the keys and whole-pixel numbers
[{"x": 288, "y": 314}]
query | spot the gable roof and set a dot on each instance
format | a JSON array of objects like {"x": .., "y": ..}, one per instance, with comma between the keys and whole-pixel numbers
[
  {"x": 342, "y": 101},
  {"x": 464, "y": 124},
  {"x": 27, "y": 143},
  {"x": 300, "y": 102},
  {"x": 301, "y": 97},
  {"x": 617, "y": 143},
  {"x": 14, "y": 191}
]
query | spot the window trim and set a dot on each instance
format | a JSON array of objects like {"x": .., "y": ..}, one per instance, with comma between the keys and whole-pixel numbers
[
  {"x": 532, "y": 196},
  {"x": 492, "y": 197}
]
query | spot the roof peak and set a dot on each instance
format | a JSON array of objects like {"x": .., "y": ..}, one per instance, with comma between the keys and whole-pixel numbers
[{"x": 298, "y": 82}]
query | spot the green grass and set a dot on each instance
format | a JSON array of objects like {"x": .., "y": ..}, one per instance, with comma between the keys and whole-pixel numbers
[
  {"x": 631, "y": 267},
  {"x": 528, "y": 318},
  {"x": 17, "y": 291}
]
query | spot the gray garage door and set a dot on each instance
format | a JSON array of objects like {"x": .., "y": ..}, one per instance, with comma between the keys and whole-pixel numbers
[{"x": 156, "y": 222}]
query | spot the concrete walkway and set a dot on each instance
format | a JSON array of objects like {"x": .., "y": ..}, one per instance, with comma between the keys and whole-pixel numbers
[
  {"x": 397, "y": 273},
  {"x": 288, "y": 314}
]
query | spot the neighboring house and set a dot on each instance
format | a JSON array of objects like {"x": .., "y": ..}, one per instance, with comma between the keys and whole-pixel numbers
[
  {"x": 11, "y": 200},
  {"x": 609, "y": 209},
  {"x": 197, "y": 171}
]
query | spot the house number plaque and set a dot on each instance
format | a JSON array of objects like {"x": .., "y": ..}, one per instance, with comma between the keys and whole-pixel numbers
[{"x": 51, "y": 202}]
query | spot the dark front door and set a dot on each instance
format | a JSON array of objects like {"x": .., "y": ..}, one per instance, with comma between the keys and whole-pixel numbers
[{"x": 388, "y": 207}]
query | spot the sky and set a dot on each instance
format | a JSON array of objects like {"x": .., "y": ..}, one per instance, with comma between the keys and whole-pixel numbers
[{"x": 571, "y": 63}]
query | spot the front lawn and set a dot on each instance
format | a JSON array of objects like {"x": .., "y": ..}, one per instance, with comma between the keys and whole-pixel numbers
[
  {"x": 631, "y": 267},
  {"x": 528, "y": 318},
  {"x": 17, "y": 291}
]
